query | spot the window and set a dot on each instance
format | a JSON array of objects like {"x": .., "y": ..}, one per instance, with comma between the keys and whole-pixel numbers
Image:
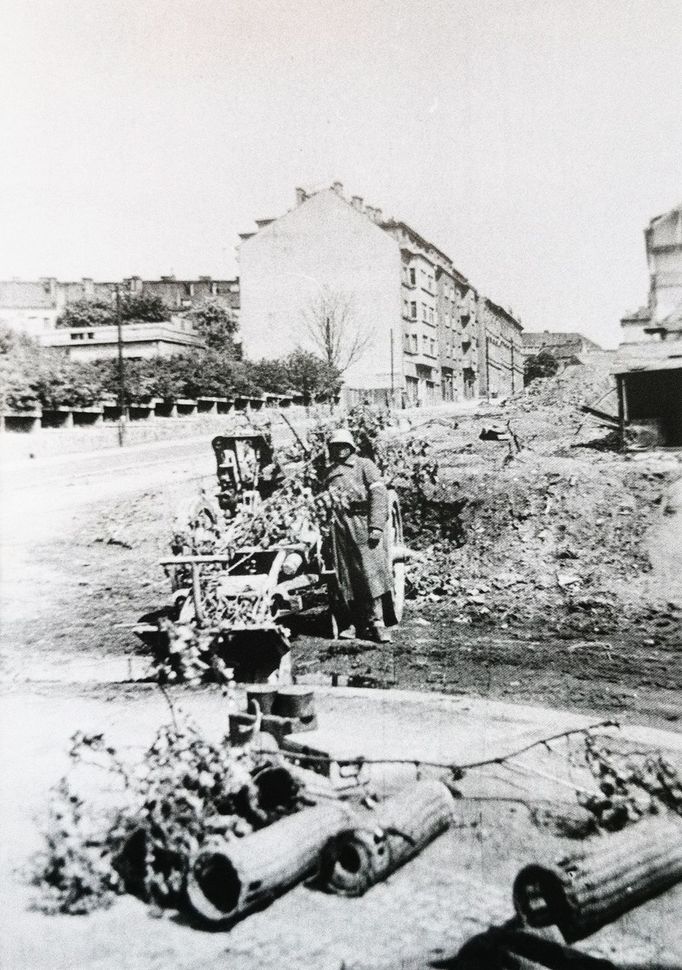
[
  {"x": 415, "y": 344},
  {"x": 430, "y": 314},
  {"x": 424, "y": 311},
  {"x": 413, "y": 310},
  {"x": 413, "y": 276},
  {"x": 425, "y": 343},
  {"x": 433, "y": 347}
]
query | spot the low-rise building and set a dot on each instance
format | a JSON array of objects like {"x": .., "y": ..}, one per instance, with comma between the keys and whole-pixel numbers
[{"x": 139, "y": 340}]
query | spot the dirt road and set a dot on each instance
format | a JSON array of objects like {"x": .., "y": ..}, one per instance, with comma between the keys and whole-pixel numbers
[{"x": 82, "y": 537}]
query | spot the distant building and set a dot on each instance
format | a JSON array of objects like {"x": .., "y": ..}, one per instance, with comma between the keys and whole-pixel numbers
[
  {"x": 568, "y": 348},
  {"x": 33, "y": 306},
  {"x": 500, "y": 350},
  {"x": 661, "y": 318},
  {"x": 140, "y": 340},
  {"x": 30, "y": 306},
  {"x": 406, "y": 294}
]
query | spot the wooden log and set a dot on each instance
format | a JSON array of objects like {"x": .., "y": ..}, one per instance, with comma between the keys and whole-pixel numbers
[
  {"x": 386, "y": 838},
  {"x": 229, "y": 878},
  {"x": 613, "y": 874}
]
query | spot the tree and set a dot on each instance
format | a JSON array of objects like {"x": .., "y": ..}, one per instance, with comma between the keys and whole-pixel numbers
[
  {"x": 271, "y": 375},
  {"x": 309, "y": 374},
  {"x": 330, "y": 322},
  {"x": 216, "y": 325},
  {"x": 101, "y": 312},
  {"x": 88, "y": 313},
  {"x": 142, "y": 307},
  {"x": 543, "y": 364}
]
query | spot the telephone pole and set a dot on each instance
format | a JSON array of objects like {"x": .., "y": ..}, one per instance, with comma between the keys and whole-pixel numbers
[{"x": 121, "y": 374}]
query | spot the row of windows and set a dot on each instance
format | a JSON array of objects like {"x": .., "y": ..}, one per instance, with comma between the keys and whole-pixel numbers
[
  {"x": 426, "y": 279},
  {"x": 428, "y": 344}
]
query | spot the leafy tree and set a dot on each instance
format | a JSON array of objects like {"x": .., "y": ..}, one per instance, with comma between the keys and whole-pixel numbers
[
  {"x": 88, "y": 313},
  {"x": 142, "y": 307},
  {"x": 543, "y": 364},
  {"x": 19, "y": 357},
  {"x": 216, "y": 325},
  {"x": 309, "y": 374},
  {"x": 271, "y": 375},
  {"x": 101, "y": 312}
]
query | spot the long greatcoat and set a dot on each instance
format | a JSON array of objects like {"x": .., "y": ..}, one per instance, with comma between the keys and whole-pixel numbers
[{"x": 359, "y": 503}]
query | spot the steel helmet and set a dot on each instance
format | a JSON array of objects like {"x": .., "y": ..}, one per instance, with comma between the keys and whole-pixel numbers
[{"x": 342, "y": 436}]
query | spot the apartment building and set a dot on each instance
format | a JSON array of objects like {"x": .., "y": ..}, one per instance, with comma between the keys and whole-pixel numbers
[
  {"x": 500, "y": 350},
  {"x": 419, "y": 312},
  {"x": 33, "y": 306}
]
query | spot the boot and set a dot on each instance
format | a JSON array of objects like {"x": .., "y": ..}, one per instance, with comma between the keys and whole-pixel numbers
[
  {"x": 348, "y": 633},
  {"x": 379, "y": 633}
]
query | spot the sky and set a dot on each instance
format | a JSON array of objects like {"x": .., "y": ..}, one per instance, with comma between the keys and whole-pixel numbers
[{"x": 531, "y": 140}]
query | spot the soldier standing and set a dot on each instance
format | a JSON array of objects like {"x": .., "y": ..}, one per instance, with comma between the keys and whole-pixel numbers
[{"x": 360, "y": 540}]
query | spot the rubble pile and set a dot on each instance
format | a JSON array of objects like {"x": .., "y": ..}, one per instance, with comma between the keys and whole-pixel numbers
[{"x": 547, "y": 534}]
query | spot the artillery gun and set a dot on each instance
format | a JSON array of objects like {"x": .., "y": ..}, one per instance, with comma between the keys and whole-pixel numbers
[{"x": 242, "y": 596}]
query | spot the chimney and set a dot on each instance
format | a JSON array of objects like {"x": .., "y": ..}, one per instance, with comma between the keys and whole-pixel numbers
[
  {"x": 300, "y": 196},
  {"x": 378, "y": 216},
  {"x": 88, "y": 285},
  {"x": 338, "y": 188},
  {"x": 49, "y": 285},
  {"x": 356, "y": 202},
  {"x": 369, "y": 211}
]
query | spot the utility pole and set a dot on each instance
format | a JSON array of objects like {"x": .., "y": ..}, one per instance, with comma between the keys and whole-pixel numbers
[
  {"x": 392, "y": 385},
  {"x": 121, "y": 374}
]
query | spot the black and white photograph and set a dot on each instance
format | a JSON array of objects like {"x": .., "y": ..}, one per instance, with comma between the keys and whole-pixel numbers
[{"x": 341, "y": 484}]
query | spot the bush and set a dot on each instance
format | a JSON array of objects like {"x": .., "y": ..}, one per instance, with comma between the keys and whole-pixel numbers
[{"x": 540, "y": 365}]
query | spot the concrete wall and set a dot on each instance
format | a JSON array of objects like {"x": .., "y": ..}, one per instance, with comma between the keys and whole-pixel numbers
[{"x": 324, "y": 242}]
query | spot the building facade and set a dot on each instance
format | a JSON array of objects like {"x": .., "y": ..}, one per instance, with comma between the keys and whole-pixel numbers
[
  {"x": 500, "y": 350},
  {"x": 34, "y": 306},
  {"x": 140, "y": 340},
  {"x": 420, "y": 314}
]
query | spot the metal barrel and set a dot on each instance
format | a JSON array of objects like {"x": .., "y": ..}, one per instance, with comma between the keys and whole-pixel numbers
[
  {"x": 229, "y": 878},
  {"x": 589, "y": 889},
  {"x": 385, "y": 838}
]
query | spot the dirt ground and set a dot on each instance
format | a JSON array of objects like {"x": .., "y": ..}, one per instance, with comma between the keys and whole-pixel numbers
[
  {"x": 454, "y": 890},
  {"x": 82, "y": 537},
  {"x": 82, "y": 541}
]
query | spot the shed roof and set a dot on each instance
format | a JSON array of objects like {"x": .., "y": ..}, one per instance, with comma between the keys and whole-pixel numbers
[{"x": 654, "y": 356}]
